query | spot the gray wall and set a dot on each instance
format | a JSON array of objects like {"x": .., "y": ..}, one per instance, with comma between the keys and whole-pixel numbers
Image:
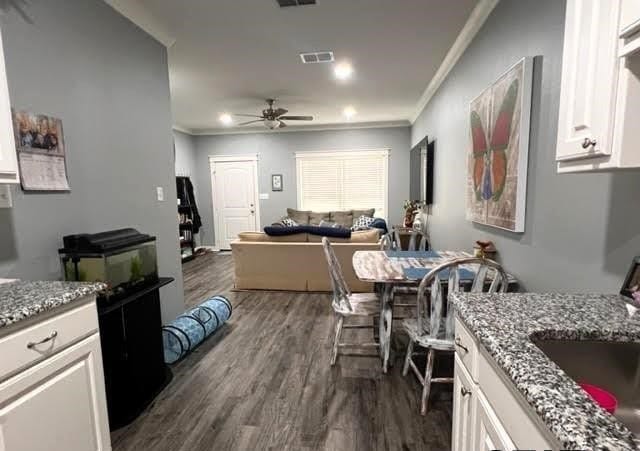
[
  {"x": 277, "y": 151},
  {"x": 185, "y": 148},
  {"x": 108, "y": 81},
  {"x": 581, "y": 230}
]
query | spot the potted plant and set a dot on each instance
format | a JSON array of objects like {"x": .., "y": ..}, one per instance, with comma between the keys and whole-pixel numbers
[{"x": 410, "y": 209}]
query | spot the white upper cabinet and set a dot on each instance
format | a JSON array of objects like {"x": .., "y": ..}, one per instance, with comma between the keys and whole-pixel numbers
[
  {"x": 8, "y": 161},
  {"x": 629, "y": 17},
  {"x": 600, "y": 91},
  {"x": 588, "y": 79}
]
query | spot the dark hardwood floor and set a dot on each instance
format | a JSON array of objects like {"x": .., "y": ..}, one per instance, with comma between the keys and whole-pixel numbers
[{"x": 263, "y": 382}]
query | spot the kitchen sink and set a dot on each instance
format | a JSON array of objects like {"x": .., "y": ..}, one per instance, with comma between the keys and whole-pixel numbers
[{"x": 613, "y": 366}]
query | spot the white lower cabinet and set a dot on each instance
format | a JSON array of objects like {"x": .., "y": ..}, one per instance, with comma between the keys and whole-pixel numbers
[
  {"x": 57, "y": 404},
  {"x": 487, "y": 414},
  {"x": 489, "y": 431},
  {"x": 464, "y": 405}
]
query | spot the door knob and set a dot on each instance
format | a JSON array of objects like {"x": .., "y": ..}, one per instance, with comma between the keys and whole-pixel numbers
[{"x": 252, "y": 212}]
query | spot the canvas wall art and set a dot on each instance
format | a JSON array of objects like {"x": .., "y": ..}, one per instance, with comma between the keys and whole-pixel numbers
[{"x": 498, "y": 152}]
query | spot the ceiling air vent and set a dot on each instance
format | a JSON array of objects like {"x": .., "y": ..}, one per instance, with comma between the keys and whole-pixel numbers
[
  {"x": 317, "y": 57},
  {"x": 284, "y": 3}
]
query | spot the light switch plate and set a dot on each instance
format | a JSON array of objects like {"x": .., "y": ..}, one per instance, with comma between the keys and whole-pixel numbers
[
  {"x": 5, "y": 197},
  {"x": 264, "y": 196},
  {"x": 160, "y": 193}
]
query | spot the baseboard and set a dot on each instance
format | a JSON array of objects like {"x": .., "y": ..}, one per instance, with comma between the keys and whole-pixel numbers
[{"x": 211, "y": 248}]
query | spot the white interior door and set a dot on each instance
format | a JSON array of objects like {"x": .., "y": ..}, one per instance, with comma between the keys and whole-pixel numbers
[{"x": 235, "y": 202}]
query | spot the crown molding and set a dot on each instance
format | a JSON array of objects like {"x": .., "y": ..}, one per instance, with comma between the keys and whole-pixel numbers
[
  {"x": 182, "y": 129},
  {"x": 308, "y": 128},
  {"x": 476, "y": 19},
  {"x": 143, "y": 18}
]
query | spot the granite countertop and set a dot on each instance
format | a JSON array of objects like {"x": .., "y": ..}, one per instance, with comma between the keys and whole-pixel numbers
[
  {"x": 505, "y": 324},
  {"x": 23, "y": 299}
]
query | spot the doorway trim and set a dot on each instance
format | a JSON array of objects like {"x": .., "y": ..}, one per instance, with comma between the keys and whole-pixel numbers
[{"x": 213, "y": 159}]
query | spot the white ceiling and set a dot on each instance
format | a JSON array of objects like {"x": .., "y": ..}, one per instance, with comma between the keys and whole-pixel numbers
[{"x": 229, "y": 55}]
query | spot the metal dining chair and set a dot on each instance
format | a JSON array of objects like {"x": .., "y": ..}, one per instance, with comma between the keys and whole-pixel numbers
[
  {"x": 386, "y": 243},
  {"x": 432, "y": 328},
  {"x": 346, "y": 304}
]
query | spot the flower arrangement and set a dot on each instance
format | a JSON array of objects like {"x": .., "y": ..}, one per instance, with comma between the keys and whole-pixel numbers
[{"x": 410, "y": 209}]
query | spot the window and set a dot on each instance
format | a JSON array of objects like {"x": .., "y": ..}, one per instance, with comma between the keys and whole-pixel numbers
[{"x": 330, "y": 181}]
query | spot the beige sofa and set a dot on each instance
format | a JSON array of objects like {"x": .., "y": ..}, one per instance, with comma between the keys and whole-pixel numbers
[{"x": 296, "y": 262}]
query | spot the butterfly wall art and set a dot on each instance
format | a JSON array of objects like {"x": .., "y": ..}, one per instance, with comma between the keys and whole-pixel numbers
[{"x": 499, "y": 149}]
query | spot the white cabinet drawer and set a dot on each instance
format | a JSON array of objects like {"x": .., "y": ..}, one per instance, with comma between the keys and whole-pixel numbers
[
  {"x": 466, "y": 349},
  {"x": 20, "y": 349}
]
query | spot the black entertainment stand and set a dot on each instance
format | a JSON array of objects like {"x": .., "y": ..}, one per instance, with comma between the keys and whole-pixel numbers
[{"x": 132, "y": 352}]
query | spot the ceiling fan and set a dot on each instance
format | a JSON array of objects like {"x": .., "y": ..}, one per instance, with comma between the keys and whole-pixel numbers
[{"x": 273, "y": 118}]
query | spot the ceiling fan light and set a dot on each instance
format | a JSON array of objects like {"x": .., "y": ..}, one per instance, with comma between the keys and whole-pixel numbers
[
  {"x": 349, "y": 112},
  {"x": 343, "y": 71},
  {"x": 271, "y": 124},
  {"x": 226, "y": 119}
]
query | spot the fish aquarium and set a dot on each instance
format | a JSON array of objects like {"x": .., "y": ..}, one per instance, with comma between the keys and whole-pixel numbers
[{"x": 125, "y": 260}]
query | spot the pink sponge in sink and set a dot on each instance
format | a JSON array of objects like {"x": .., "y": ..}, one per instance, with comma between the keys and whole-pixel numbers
[{"x": 605, "y": 399}]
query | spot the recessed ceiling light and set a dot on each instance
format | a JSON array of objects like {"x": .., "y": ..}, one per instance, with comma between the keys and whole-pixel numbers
[
  {"x": 226, "y": 118},
  {"x": 349, "y": 112},
  {"x": 343, "y": 71}
]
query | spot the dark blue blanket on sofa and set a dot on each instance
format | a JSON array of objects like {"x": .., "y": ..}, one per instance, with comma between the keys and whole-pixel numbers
[{"x": 333, "y": 232}]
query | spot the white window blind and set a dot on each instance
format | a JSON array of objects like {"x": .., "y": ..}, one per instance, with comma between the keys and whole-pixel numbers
[{"x": 329, "y": 181}]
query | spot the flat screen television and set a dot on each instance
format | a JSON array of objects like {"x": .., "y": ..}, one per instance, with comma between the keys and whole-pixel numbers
[{"x": 421, "y": 171}]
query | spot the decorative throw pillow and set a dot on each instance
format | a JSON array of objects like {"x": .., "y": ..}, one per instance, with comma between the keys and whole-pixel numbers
[
  {"x": 288, "y": 222},
  {"x": 362, "y": 223}
]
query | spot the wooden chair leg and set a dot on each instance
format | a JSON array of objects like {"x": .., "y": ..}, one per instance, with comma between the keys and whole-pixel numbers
[
  {"x": 407, "y": 359},
  {"x": 427, "y": 382},
  {"x": 336, "y": 340}
]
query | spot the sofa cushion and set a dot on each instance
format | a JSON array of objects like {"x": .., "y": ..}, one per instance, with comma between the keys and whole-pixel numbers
[
  {"x": 344, "y": 218},
  {"x": 263, "y": 237},
  {"x": 317, "y": 218},
  {"x": 369, "y": 212},
  {"x": 301, "y": 217},
  {"x": 363, "y": 236}
]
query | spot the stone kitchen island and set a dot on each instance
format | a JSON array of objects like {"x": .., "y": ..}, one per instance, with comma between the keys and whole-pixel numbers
[{"x": 510, "y": 394}]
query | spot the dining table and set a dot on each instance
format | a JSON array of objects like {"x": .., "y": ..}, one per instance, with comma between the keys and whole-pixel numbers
[{"x": 390, "y": 268}]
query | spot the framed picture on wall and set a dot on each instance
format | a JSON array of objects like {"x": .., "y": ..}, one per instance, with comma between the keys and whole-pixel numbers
[{"x": 276, "y": 182}]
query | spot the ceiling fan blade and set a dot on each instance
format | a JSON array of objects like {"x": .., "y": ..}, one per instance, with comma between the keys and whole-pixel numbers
[
  {"x": 280, "y": 111},
  {"x": 282, "y": 124},
  {"x": 296, "y": 118},
  {"x": 245, "y": 115},
  {"x": 250, "y": 122}
]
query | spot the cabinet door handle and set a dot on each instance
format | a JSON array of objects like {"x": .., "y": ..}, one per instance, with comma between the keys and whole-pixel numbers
[
  {"x": 51, "y": 336},
  {"x": 588, "y": 143},
  {"x": 464, "y": 391},
  {"x": 459, "y": 344}
]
